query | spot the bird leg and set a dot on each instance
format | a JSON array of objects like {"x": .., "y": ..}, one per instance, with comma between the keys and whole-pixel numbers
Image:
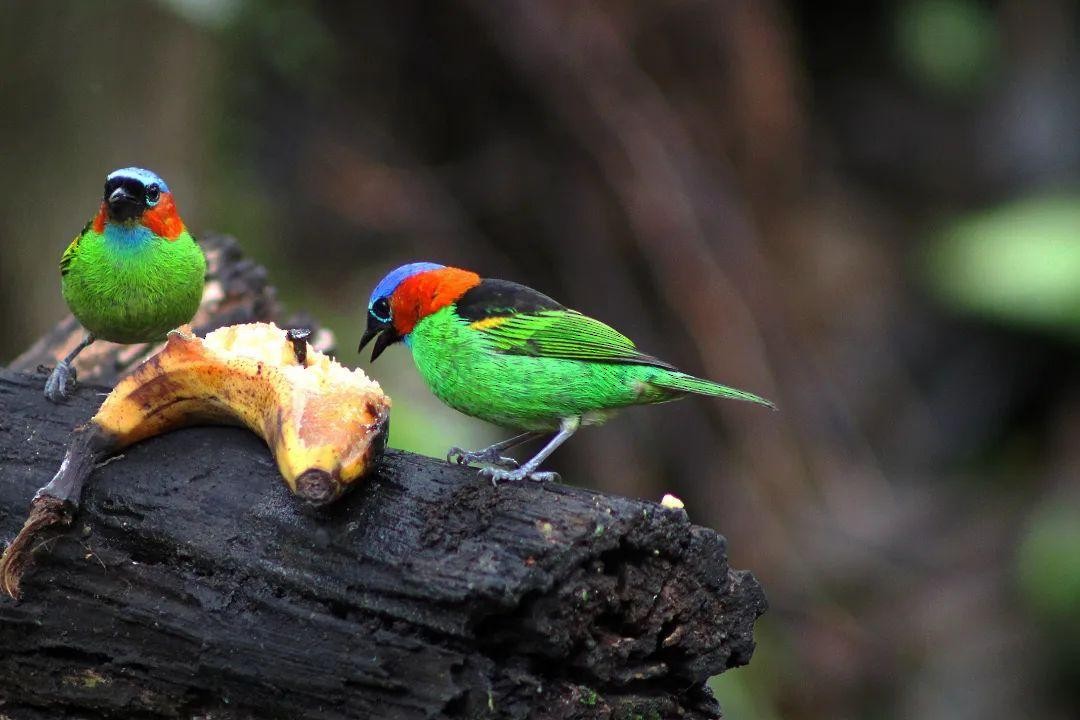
[
  {"x": 528, "y": 471},
  {"x": 57, "y": 387},
  {"x": 491, "y": 455}
]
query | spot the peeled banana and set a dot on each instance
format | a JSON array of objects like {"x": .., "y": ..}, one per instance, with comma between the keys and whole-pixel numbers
[{"x": 326, "y": 425}]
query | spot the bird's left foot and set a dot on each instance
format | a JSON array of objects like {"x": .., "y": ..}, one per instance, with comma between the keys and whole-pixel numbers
[
  {"x": 498, "y": 475},
  {"x": 58, "y": 386},
  {"x": 487, "y": 456}
]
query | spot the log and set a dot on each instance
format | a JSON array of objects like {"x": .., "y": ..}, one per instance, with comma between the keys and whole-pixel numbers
[{"x": 191, "y": 584}]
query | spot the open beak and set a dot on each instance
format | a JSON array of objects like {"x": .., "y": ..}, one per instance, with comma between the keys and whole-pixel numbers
[{"x": 387, "y": 336}]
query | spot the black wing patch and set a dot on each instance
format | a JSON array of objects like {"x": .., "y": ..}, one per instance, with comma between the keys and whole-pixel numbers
[{"x": 500, "y": 298}]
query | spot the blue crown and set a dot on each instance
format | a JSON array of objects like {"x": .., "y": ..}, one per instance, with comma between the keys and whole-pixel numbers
[
  {"x": 142, "y": 175},
  {"x": 388, "y": 284}
]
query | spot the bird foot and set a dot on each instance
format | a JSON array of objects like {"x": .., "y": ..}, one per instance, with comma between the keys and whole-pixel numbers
[
  {"x": 61, "y": 381},
  {"x": 486, "y": 456},
  {"x": 497, "y": 475}
]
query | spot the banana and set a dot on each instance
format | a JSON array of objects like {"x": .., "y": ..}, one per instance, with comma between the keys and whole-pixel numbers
[
  {"x": 322, "y": 421},
  {"x": 325, "y": 425}
]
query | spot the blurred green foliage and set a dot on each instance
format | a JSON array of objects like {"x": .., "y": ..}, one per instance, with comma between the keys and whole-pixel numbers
[
  {"x": 1018, "y": 263},
  {"x": 751, "y": 692},
  {"x": 950, "y": 46},
  {"x": 1048, "y": 568}
]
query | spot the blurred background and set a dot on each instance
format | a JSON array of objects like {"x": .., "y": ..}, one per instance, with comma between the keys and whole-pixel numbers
[{"x": 868, "y": 212}]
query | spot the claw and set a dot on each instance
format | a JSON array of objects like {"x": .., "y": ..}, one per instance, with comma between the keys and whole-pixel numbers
[
  {"x": 61, "y": 380},
  {"x": 497, "y": 475}
]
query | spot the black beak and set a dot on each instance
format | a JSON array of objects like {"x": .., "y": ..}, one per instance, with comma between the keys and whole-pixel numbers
[
  {"x": 123, "y": 205},
  {"x": 387, "y": 337},
  {"x": 121, "y": 195}
]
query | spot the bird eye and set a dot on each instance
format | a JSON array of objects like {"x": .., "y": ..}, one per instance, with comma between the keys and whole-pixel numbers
[
  {"x": 381, "y": 310},
  {"x": 153, "y": 194}
]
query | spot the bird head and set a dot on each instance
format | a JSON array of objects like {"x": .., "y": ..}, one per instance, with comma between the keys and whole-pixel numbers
[
  {"x": 135, "y": 195},
  {"x": 406, "y": 296}
]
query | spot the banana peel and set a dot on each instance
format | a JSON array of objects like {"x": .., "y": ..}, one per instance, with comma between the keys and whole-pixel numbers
[{"x": 325, "y": 425}]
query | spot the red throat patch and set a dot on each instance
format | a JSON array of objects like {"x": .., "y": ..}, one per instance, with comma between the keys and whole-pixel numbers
[
  {"x": 426, "y": 293},
  {"x": 161, "y": 219}
]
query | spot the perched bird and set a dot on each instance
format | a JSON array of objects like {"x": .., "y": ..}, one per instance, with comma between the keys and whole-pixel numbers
[
  {"x": 510, "y": 355},
  {"x": 134, "y": 272}
]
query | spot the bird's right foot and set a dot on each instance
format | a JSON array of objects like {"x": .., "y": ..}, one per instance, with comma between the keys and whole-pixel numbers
[
  {"x": 61, "y": 381},
  {"x": 487, "y": 456}
]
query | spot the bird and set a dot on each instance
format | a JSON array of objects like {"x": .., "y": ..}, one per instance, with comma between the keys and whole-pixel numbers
[
  {"x": 134, "y": 272},
  {"x": 512, "y": 356}
]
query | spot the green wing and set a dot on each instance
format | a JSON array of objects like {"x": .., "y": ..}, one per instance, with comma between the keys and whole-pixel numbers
[{"x": 565, "y": 334}]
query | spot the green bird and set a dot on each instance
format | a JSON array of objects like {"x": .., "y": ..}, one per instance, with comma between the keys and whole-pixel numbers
[
  {"x": 507, "y": 354},
  {"x": 134, "y": 272}
]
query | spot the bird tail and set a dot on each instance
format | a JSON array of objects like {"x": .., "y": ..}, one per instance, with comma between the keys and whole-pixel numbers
[{"x": 681, "y": 382}]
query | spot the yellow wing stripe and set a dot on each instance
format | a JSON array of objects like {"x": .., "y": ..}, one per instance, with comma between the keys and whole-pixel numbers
[{"x": 488, "y": 323}]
